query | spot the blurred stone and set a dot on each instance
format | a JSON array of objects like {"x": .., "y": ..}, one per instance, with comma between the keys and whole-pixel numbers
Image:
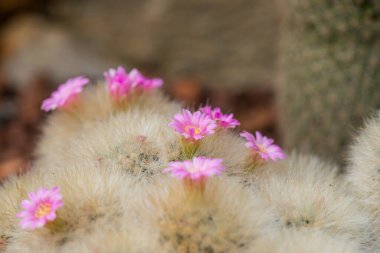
[
  {"x": 31, "y": 98},
  {"x": 33, "y": 46},
  {"x": 222, "y": 98},
  {"x": 13, "y": 5},
  {"x": 17, "y": 138},
  {"x": 20, "y": 116},
  {"x": 11, "y": 167},
  {"x": 257, "y": 97},
  {"x": 8, "y": 110},
  {"x": 225, "y": 43},
  {"x": 8, "y": 103},
  {"x": 258, "y": 119},
  {"x": 188, "y": 92},
  {"x": 2, "y": 83}
]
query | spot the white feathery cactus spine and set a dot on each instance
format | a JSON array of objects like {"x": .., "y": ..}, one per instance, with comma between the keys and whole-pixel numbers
[
  {"x": 308, "y": 193},
  {"x": 226, "y": 218},
  {"x": 363, "y": 173},
  {"x": 364, "y": 159},
  {"x": 107, "y": 153},
  {"x": 297, "y": 241}
]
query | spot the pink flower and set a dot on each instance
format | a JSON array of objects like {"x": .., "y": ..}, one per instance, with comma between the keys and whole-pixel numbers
[
  {"x": 197, "y": 169},
  {"x": 193, "y": 126},
  {"x": 263, "y": 146},
  {"x": 141, "y": 82},
  {"x": 223, "y": 120},
  {"x": 118, "y": 82},
  {"x": 121, "y": 83},
  {"x": 40, "y": 208},
  {"x": 65, "y": 94}
]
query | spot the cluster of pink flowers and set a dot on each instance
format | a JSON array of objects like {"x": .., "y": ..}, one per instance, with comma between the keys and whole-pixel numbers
[
  {"x": 40, "y": 208},
  {"x": 223, "y": 120},
  {"x": 42, "y": 205},
  {"x": 263, "y": 146},
  {"x": 195, "y": 126},
  {"x": 196, "y": 169},
  {"x": 119, "y": 82}
]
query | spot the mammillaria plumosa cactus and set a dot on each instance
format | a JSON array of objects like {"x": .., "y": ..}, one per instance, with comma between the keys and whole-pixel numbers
[
  {"x": 330, "y": 72},
  {"x": 363, "y": 170},
  {"x": 121, "y": 168},
  {"x": 304, "y": 241}
]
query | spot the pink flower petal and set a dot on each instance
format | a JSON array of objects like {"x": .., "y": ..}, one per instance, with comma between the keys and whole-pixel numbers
[
  {"x": 223, "y": 120},
  {"x": 121, "y": 83},
  {"x": 193, "y": 126},
  {"x": 65, "y": 94},
  {"x": 195, "y": 169},
  {"x": 263, "y": 146}
]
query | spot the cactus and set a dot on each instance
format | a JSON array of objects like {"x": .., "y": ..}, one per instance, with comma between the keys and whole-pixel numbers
[
  {"x": 216, "y": 222},
  {"x": 330, "y": 72},
  {"x": 308, "y": 193},
  {"x": 363, "y": 171},
  {"x": 102, "y": 207},
  {"x": 304, "y": 241},
  {"x": 65, "y": 127},
  {"x": 110, "y": 157}
]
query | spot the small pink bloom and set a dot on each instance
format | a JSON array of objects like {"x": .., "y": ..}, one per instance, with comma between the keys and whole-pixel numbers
[
  {"x": 118, "y": 82},
  {"x": 142, "y": 82},
  {"x": 197, "y": 169},
  {"x": 223, "y": 120},
  {"x": 263, "y": 146},
  {"x": 121, "y": 83},
  {"x": 40, "y": 208},
  {"x": 193, "y": 126},
  {"x": 65, "y": 94},
  {"x": 207, "y": 110}
]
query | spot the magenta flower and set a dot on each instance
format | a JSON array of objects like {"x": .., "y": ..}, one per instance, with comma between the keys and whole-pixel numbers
[
  {"x": 223, "y": 120},
  {"x": 197, "y": 169},
  {"x": 141, "y": 82},
  {"x": 40, "y": 208},
  {"x": 118, "y": 82},
  {"x": 263, "y": 146},
  {"x": 121, "y": 83},
  {"x": 65, "y": 94},
  {"x": 193, "y": 126}
]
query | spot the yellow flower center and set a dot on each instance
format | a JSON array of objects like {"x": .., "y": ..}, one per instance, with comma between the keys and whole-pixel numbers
[
  {"x": 262, "y": 149},
  {"x": 194, "y": 129},
  {"x": 42, "y": 210}
]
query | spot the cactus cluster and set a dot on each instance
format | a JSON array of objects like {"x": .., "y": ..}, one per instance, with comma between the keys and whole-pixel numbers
[
  {"x": 330, "y": 72},
  {"x": 136, "y": 175},
  {"x": 363, "y": 173}
]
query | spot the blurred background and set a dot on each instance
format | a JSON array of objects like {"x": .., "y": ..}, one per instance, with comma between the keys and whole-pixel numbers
[{"x": 303, "y": 72}]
